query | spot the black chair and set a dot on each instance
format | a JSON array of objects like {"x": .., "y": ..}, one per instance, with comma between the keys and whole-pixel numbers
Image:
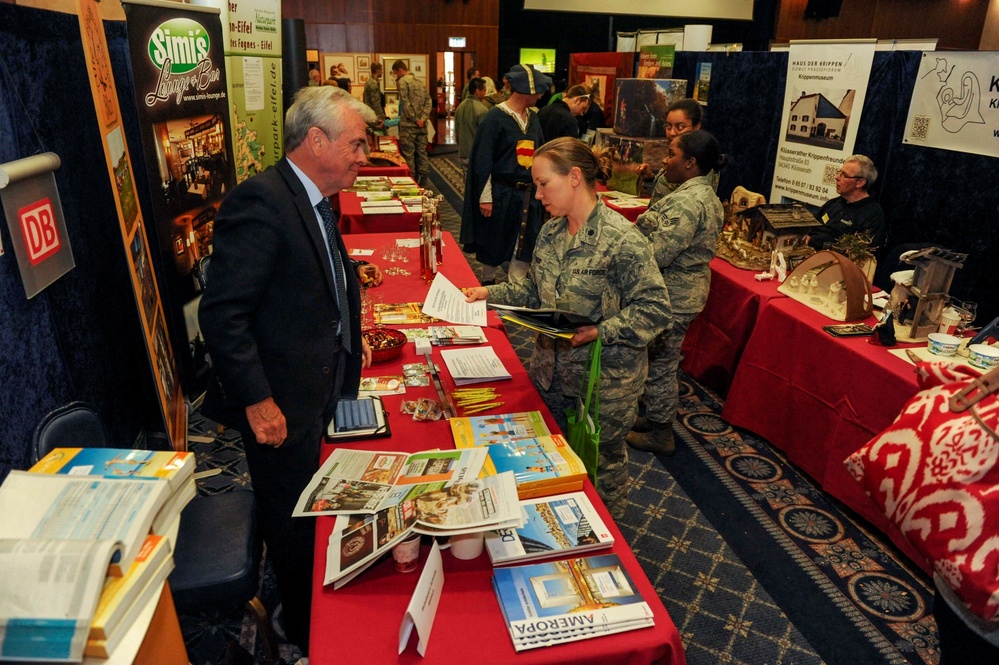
[
  {"x": 75, "y": 425},
  {"x": 217, "y": 560}
]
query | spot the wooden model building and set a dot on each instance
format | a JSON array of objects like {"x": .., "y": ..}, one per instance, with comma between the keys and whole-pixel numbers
[
  {"x": 751, "y": 236},
  {"x": 918, "y": 303}
]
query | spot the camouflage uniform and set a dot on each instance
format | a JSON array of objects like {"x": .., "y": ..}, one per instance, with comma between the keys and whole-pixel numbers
[
  {"x": 605, "y": 272},
  {"x": 373, "y": 98},
  {"x": 661, "y": 187},
  {"x": 414, "y": 104},
  {"x": 684, "y": 231}
]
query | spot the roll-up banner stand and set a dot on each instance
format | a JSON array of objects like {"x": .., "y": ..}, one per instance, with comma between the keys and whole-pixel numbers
[
  {"x": 178, "y": 71},
  {"x": 133, "y": 229}
]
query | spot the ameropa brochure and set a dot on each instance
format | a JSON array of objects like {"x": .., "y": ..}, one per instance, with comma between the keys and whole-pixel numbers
[
  {"x": 479, "y": 505},
  {"x": 361, "y": 481},
  {"x": 564, "y": 601}
]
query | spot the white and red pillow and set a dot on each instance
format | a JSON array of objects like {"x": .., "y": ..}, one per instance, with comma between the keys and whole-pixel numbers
[{"x": 935, "y": 475}]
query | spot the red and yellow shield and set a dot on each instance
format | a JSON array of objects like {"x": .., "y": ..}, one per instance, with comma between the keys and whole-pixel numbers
[{"x": 525, "y": 153}]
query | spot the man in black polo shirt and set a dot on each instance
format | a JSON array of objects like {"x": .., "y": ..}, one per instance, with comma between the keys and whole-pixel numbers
[{"x": 853, "y": 211}]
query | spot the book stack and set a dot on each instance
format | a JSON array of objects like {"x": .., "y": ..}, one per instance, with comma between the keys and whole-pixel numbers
[
  {"x": 564, "y": 601},
  {"x": 177, "y": 469},
  {"x": 542, "y": 466},
  {"x": 553, "y": 526},
  {"x": 122, "y": 598},
  {"x": 63, "y": 539}
]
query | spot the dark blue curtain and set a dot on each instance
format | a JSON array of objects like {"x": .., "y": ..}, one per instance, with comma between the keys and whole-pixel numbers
[{"x": 81, "y": 337}]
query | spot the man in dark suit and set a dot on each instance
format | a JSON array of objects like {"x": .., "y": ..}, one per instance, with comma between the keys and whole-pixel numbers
[{"x": 281, "y": 319}]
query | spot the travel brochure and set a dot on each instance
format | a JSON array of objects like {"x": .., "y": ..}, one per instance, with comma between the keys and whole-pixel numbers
[
  {"x": 357, "y": 540},
  {"x": 498, "y": 428},
  {"x": 362, "y": 481},
  {"x": 564, "y": 601},
  {"x": 553, "y": 526},
  {"x": 543, "y": 466}
]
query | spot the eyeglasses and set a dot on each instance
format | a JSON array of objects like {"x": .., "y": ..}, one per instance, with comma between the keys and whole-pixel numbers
[{"x": 851, "y": 177}]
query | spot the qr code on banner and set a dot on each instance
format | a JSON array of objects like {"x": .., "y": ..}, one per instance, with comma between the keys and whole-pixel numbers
[
  {"x": 920, "y": 127},
  {"x": 829, "y": 174}
]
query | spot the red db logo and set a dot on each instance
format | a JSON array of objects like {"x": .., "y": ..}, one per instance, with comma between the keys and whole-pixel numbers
[{"x": 39, "y": 227}]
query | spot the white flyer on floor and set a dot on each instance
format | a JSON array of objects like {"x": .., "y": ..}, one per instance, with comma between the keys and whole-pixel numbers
[
  {"x": 423, "y": 605},
  {"x": 445, "y": 301}
]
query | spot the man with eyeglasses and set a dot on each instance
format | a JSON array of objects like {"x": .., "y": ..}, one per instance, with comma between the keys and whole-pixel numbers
[{"x": 854, "y": 210}]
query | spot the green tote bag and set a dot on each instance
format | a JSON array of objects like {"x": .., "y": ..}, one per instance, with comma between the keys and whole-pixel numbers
[{"x": 584, "y": 424}]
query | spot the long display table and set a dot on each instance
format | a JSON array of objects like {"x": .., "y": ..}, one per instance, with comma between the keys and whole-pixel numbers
[
  {"x": 818, "y": 398},
  {"x": 718, "y": 335},
  {"x": 360, "y": 622}
]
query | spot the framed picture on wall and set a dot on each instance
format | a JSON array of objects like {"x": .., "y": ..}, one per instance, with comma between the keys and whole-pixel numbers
[
  {"x": 338, "y": 66},
  {"x": 388, "y": 79},
  {"x": 363, "y": 64},
  {"x": 362, "y": 76}
]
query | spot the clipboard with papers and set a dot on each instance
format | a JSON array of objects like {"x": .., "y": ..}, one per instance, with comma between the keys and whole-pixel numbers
[{"x": 361, "y": 418}]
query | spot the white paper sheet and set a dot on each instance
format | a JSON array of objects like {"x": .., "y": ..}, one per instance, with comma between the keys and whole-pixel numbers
[{"x": 445, "y": 301}]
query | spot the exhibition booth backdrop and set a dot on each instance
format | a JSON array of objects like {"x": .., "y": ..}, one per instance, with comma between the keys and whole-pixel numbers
[{"x": 81, "y": 339}]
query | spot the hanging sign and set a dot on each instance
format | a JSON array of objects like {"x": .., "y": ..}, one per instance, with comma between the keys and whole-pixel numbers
[
  {"x": 955, "y": 103},
  {"x": 34, "y": 217},
  {"x": 826, "y": 87}
]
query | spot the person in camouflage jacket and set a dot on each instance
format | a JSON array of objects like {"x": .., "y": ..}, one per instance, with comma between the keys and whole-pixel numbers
[
  {"x": 683, "y": 228},
  {"x": 591, "y": 261}
]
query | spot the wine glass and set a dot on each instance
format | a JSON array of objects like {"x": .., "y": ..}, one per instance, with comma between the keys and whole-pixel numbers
[{"x": 967, "y": 311}]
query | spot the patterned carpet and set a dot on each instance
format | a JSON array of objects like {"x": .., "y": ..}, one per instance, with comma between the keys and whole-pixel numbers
[{"x": 754, "y": 564}]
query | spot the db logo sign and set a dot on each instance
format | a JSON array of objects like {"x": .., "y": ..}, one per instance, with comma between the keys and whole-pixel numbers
[{"x": 38, "y": 225}]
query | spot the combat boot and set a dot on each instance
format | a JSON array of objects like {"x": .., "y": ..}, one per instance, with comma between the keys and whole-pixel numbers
[
  {"x": 642, "y": 424},
  {"x": 658, "y": 440}
]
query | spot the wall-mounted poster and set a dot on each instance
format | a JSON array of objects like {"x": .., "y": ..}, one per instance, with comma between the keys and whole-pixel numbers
[
  {"x": 948, "y": 110},
  {"x": 826, "y": 87}
]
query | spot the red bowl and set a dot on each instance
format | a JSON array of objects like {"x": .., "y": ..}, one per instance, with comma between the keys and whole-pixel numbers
[{"x": 386, "y": 343}]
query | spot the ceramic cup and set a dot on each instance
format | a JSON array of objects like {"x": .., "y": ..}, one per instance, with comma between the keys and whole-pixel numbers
[
  {"x": 407, "y": 554},
  {"x": 467, "y": 546},
  {"x": 983, "y": 356},
  {"x": 942, "y": 344}
]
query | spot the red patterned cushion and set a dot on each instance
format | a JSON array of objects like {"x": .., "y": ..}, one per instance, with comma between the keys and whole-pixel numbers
[{"x": 934, "y": 474}]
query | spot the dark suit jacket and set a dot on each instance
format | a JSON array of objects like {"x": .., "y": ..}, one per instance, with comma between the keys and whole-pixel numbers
[{"x": 269, "y": 313}]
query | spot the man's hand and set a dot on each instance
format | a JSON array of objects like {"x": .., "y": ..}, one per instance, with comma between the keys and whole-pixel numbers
[
  {"x": 645, "y": 172},
  {"x": 475, "y": 293},
  {"x": 369, "y": 274},
  {"x": 420, "y": 123},
  {"x": 584, "y": 335},
  {"x": 486, "y": 209},
  {"x": 365, "y": 354},
  {"x": 267, "y": 422}
]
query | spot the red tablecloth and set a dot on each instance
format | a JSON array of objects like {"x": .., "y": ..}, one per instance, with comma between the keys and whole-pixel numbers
[
  {"x": 360, "y": 622},
  {"x": 387, "y": 171},
  {"x": 716, "y": 338},
  {"x": 631, "y": 214},
  {"x": 818, "y": 397},
  {"x": 352, "y": 220}
]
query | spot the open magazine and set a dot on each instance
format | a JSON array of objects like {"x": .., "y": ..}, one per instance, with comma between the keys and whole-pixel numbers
[
  {"x": 362, "y": 481},
  {"x": 357, "y": 541}
]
